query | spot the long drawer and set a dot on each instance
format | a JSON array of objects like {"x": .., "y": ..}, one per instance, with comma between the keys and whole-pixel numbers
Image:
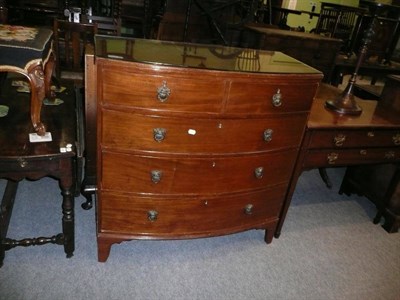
[
  {"x": 188, "y": 217},
  {"x": 354, "y": 138},
  {"x": 163, "y": 90},
  {"x": 342, "y": 157},
  {"x": 124, "y": 130},
  {"x": 194, "y": 175}
]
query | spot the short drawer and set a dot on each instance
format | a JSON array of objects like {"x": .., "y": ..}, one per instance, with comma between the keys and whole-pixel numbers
[
  {"x": 354, "y": 138},
  {"x": 270, "y": 96},
  {"x": 195, "y": 91},
  {"x": 188, "y": 217},
  {"x": 341, "y": 157},
  {"x": 194, "y": 175},
  {"x": 127, "y": 131},
  {"x": 33, "y": 164},
  {"x": 162, "y": 92}
]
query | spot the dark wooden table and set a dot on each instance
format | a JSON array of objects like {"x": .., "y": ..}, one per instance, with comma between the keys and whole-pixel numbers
[
  {"x": 20, "y": 159},
  {"x": 375, "y": 70},
  {"x": 28, "y": 51},
  {"x": 333, "y": 140},
  {"x": 315, "y": 50}
]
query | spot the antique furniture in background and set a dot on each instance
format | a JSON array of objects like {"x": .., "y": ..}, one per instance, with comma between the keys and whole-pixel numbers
[
  {"x": 35, "y": 12},
  {"x": 373, "y": 69},
  {"x": 380, "y": 183},
  {"x": 70, "y": 41},
  {"x": 192, "y": 141},
  {"x": 20, "y": 159},
  {"x": 317, "y": 51},
  {"x": 105, "y": 25},
  {"x": 387, "y": 30},
  {"x": 28, "y": 51},
  {"x": 334, "y": 140},
  {"x": 341, "y": 22},
  {"x": 3, "y": 12}
]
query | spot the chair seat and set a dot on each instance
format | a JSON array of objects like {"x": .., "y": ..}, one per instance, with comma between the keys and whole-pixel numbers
[{"x": 21, "y": 47}]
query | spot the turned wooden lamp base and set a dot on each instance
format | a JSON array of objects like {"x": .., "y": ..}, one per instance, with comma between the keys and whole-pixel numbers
[
  {"x": 345, "y": 103},
  {"x": 344, "y": 107}
]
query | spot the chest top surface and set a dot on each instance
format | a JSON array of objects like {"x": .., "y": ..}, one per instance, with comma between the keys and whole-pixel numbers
[{"x": 199, "y": 56}]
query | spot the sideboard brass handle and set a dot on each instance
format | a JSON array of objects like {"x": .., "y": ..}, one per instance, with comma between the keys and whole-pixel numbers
[
  {"x": 339, "y": 140},
  {"x": 22, "y": 162},
  {"x": 259, "y": 172},
  {"x": 268, "y": 135},
  {"x": 163, "y": 92},
  {"x": 156, "y": 176},
  {"x": 277, "y": 98},
  {"x": 332, "y": 157},
  {"x": 159, "y": 134},
  {"x": 396, "y": 139},
  {"x": 152, "y": 215},
  {"x": 248, "y": 209},
  {"x": 389, "y": 155}
]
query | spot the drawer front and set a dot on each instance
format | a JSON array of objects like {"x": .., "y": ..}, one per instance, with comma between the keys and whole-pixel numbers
[
  {"x": 25, "y": 165},
  {"x": 162, "y": 93},
  {"x": 194, "y": 175},
  {"x": 333, "y": 157},
  {"x": 199, "y": 216},
  {"x": 154, "y": 133},
  {"x": 354, "y": 138},
  {"x": 270, "y": 97}
]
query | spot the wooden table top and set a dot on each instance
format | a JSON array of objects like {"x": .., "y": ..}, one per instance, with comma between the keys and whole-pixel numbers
[
  {"x": 291, "y": 34},
  {"x": 373, "y": 114},
  {"x": 16, "y": 125}
]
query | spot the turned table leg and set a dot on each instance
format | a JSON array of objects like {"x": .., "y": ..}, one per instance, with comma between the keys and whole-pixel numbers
[{"x": 68, "y": 219}]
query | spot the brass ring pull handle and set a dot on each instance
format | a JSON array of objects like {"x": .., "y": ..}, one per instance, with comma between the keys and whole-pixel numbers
[
  {"x": 163, "y": 92},
  {"x": 332, "y": 157},
  {"x": 156, "y": 176},
  {"x": 152, "y": 215},
  {"x": 339, "y": 140},
  {"x": 259, "y": 172},
  {"x": 277, "y": 98},
  {"x": 389, "y": 155},
  {"x": 159, "y": 134},
  {"x": 22, "y": 162},
  {"x": 396, "y": 139},
  {"x": 268, "y": 135},
  {"x": 248, "y": 209}
]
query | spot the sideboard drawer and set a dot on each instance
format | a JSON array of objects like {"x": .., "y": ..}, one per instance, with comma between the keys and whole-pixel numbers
[
  {"x": 188, "y": 135},
  {"x": 354, "y": 138},
  {"x": 180, "y": 216},
  {"x": 180, "y": 94},
  {"x": 194, "y": 175},
  {"x": 350, "y": 157}
]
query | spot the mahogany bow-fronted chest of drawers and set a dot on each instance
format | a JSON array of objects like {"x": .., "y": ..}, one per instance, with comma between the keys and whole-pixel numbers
[{"x": 193, "y": 140}]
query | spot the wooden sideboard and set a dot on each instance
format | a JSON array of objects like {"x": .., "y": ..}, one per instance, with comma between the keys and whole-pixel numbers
[
  {"x": 380, "y": 183},
  {"x": 192, "y": 140},
  {"x": 334, "y": 140}
]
